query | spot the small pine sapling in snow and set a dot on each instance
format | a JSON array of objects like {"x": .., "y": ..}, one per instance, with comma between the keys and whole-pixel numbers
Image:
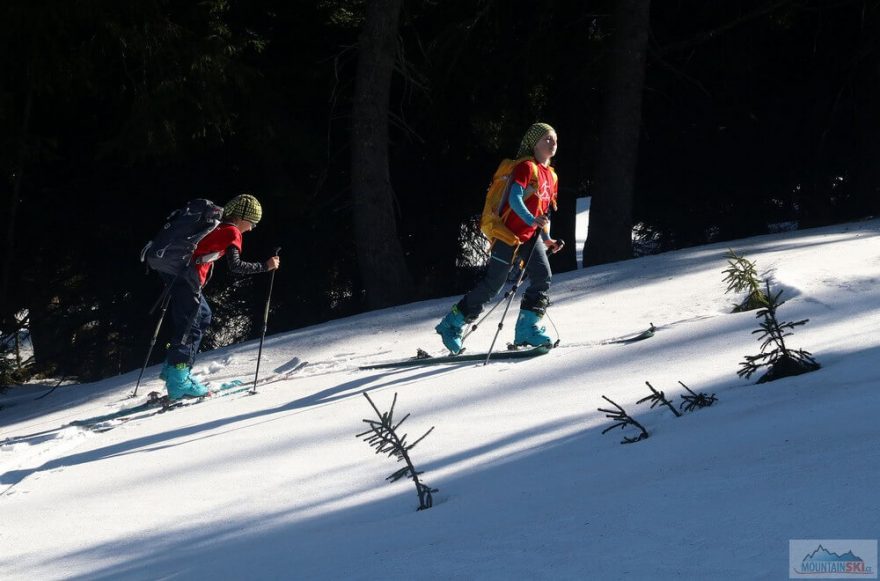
[
  {"x": 657, "y": 398},
  {"x": 743, "y": 276},
  {"x": 622, "y": 420},
  {"x": 383, "y": 436},
  {"x": 775, "y": 354},
  {"x": 14, "y": 369},
  {"x": 695, "y": 401}
]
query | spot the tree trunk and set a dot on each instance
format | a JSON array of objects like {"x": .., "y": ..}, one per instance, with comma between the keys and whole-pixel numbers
[
  {"x": 9, "y": 254},
  {"x": 564, "y": 226},
  {"x": 384, "y": 274},
  {"x": 611, "y": 212},
  {"x": 866, "y": 179}
]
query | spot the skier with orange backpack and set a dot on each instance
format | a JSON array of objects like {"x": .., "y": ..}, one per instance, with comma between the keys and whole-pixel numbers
[{"x": 515, "y": 219}]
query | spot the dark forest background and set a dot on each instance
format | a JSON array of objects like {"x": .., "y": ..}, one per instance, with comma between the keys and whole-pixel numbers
[{"x": 369, "y": 131}]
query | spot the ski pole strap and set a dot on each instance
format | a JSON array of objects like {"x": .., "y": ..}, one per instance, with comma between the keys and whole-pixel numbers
[{"x": 555, "y": 328}]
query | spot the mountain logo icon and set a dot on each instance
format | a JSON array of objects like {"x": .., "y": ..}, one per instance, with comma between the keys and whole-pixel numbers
[
  {"x": 823, "y": 554},
  {"x": 821, "y": 561}
]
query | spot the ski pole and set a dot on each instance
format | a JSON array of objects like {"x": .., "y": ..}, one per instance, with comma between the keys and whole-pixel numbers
[
  {"x": 476, "y": 325},
  {"x": 547, "y": 311},
  {"x": 165, "y": 299},
  {"x": 265, "y": 323},
  {"x": 536, "y": 239}
]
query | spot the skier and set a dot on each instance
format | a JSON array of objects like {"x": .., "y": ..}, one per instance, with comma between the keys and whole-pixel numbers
[
  {"x": 190, "y": 313},
  {"x": 532, "y": 189}
]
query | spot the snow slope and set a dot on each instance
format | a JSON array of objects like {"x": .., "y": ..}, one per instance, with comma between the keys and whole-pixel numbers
[{"x": 276, "y": 486}]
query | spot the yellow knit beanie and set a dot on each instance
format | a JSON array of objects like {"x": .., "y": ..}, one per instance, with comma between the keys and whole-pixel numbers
[{"x": 243, "y": 206}]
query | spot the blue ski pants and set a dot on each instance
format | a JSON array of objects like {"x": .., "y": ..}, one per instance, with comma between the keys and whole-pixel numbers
[
  {"x": 190, "y": 318},
  {"x": 501, "y": 261}
]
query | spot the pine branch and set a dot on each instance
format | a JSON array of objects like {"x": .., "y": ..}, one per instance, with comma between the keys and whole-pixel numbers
[
  {"x": 383, "y": 436},
  {"x": 622, "y": 419},
  {"x": 696, "y": 401},
  {"x": 658, "y": 398}
]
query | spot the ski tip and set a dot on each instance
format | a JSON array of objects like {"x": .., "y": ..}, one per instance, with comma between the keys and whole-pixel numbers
[
  {"x": 289, "y": 366},
  {"x": 228, "y": 385}
]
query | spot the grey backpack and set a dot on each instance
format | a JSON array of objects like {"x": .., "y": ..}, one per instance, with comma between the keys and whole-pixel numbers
[{"x": 171, "y": 249}]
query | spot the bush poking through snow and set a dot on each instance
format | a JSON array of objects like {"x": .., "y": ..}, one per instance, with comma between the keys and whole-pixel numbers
[
  {"x": 14, "y": 369},
  {"x": 695, "y": 401},
  {"x": 775, "y": 354},
  {"x": 743, "y": 276},
  {"x": 622, "y": 420},
  {"x": 382, "y": 436},
  {"x": 657, "y": 398}
]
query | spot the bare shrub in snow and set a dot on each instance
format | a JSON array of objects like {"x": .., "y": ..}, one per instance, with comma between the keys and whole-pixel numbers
[{"x": 383, "y": 436}]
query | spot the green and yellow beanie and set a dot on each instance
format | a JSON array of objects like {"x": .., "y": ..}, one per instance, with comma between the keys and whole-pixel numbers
[
  {"x": 243, "y": 206},
  {"x": 531, "y": 138}
]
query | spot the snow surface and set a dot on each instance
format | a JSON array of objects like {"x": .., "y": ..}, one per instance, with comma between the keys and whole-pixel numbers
[{"x": 277, "y": 486}]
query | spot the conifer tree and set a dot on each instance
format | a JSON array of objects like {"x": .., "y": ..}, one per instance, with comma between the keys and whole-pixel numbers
[
  {"x": 742, "y": 275},
  {"x": 780, "y": 360}
]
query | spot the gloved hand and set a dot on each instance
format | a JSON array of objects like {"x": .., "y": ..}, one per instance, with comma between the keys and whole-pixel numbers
[{"x": 554, "y": 246}]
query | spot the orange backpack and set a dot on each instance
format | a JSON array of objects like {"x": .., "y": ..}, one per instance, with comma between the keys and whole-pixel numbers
[{"x": 492, "y": 222}]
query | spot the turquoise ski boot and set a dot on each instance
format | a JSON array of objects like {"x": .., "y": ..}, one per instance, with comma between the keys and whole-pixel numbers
[
  {"x": 180, "y": 383},
  {"x": 163, "y": 375},
  {"x": 450, "y": 330},
  {"x": 528, "y": 332}
]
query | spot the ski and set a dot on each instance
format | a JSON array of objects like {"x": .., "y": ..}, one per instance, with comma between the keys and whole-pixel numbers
[
  {"x": 157, "y": 404},
  {"x": 228, "y": 388},
  {"x": 621, "y": 340},
  {"x": 279, "y": 376},
  {"x": 424, "y": 359},
  {"x": 646, "y": 334},
  {"x": 154, "y": 400},
  {"x": 231, "y": 388},
  {"x": 274, "y": 378}
]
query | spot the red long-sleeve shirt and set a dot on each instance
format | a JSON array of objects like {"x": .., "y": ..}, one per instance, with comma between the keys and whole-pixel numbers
[{"x": 538, "y": 203}]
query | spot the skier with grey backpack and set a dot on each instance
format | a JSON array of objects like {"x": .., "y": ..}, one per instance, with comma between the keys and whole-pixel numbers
[{"x": 183, "y": 253}]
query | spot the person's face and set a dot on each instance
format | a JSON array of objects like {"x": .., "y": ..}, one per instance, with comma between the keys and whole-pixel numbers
[
  {"x": 245, "y": 226},
  {"x": 546, "y": 146}
]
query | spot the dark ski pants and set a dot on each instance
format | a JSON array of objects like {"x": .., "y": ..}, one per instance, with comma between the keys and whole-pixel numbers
[
  {"x": 501, "y": 261},
  {"x": 190, "y": 317}
]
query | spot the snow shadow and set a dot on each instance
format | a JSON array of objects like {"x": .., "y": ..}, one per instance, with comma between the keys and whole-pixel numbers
[
  {"x": 353, "y": 388},
  {"x": 621, "y": 512}
]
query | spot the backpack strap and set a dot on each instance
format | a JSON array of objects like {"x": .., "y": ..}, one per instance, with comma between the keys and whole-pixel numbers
[{"x": 529, "y": 189}]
